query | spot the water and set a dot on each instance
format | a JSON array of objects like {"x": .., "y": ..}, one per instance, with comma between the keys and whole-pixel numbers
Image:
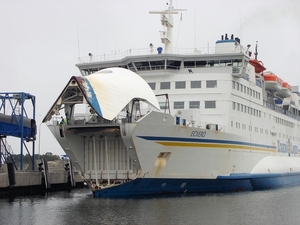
[{"x": 280, "y": 206}]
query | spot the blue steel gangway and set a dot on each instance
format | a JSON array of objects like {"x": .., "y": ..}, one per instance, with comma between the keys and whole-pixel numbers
[{"x": 17, "y": 119}]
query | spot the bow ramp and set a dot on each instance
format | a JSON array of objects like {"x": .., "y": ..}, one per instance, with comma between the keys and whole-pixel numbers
[
  {"x": 106, "y": 92},
  {"x": 100, "y": 111}
]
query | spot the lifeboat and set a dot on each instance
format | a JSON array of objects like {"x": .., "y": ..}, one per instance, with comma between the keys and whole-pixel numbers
[
  {"x": 286, "y": 91},
  {"x": 272, "y": 82},
  {"x": 258, "y": 65}
]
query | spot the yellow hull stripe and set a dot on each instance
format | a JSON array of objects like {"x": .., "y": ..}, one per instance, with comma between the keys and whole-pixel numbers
[{"x": 208, "y": 145}]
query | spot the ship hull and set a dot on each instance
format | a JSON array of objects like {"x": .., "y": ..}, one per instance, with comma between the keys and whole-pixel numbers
[
  {"x": 157, "y": 186},
  {"x": 235, "y": 183}
]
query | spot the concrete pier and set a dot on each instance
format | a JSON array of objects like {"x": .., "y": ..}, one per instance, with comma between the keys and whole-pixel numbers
[{"x": 28, "y": 182}]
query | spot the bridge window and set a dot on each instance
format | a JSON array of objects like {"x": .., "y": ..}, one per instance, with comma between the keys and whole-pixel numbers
[
  {"x": 157, "y": 65},
  {"x": 85, "y": 72},
  {"x": 201, "y": 63},
  {"x": 189, "y": 64},
  {"x": 142, "y": 65},
  {"x": 173, "y": 64},
  {"x": 237, "y": 62}
]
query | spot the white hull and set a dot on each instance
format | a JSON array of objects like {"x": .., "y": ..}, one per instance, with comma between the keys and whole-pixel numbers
[{"x": 155, "y": 148}]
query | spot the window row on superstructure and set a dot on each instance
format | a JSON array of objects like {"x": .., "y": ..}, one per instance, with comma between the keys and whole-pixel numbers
[
  {"x": 246, "y": 109},
  {"x": 294, "y": 113},
  {"x": 254, "y": 112},
  {"x": 156, "y": 62},
  {"x": 243, "y": 126},
  {"x": 246, "y": 90},
  {"x": 210, "y": 63},
  {"x": 183, "y": 84},
  {"x": 191, "y": 105},
  {"x": 283, "y": 122}
]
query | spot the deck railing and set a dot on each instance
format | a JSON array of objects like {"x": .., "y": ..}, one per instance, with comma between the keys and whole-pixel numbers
[{"x": 142, "y": 51}]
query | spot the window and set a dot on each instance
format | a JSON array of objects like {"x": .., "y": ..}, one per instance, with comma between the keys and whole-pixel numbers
[
  {"x": 179, "y": 84},
  {"x": 178, "y": 105},
  {"x": 201, "y": 63},
  {"x": 157, "y": 65},
  {"x": 211, "y": 83},
  {"x": 152, "y": 85},
  {"x": 210, "y": 104},
  {"x": 165, "y": 85},
  {"x": 196, "y": 84},
  {"x": 173, "y": 64},
  {"x": 189, "y": 64},
  {"x": 142, "y": 65},
  {"x": 163, "y": 105},
  {"x": 233, "y": 105},
  {"x": 194, "y": 104},
  {"x": 233, "y": 84},
  {"x": 237, "y": 62}
]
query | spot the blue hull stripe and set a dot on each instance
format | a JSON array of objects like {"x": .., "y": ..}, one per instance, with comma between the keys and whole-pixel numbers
[{"x": 232, "y": 183}]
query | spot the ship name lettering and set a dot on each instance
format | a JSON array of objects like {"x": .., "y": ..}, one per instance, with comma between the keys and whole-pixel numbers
[{"x": 198, "y": 133}]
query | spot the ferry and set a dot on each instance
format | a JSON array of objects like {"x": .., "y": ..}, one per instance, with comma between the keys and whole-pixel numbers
[{"x": 170, "y": 121}]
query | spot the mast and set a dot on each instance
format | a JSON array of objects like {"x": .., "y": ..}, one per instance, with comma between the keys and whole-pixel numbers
[
  {"x": 166, "y": 19},
  {"x": 256, "y": 53}
]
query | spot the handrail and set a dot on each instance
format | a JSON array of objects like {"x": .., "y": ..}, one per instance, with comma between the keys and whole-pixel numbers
[{"x": 142, "y": 51}]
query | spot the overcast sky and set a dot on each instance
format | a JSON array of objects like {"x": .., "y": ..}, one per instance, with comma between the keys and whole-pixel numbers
[{"x": 41, "y": 40}]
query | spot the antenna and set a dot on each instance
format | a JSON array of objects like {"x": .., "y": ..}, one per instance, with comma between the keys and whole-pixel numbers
[
  {"x": 241, "y": 25},
  {"x": 78, "y": 42},
  {"x": 167, "y": 21},
  {"x": 195, "y": 28},
  {"x": 256, "y": 53}
]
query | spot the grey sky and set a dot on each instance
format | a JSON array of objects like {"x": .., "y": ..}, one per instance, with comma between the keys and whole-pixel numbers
[{"x": 41, "y": 39}]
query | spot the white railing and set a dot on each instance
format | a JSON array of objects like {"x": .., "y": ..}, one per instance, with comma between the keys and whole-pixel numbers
[
  {"x": 142, "y": 51},
  {"x": 89, "y": 119}
]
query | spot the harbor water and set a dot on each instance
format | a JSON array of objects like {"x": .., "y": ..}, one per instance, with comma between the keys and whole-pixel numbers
[{"x": 277, "y": 206}]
